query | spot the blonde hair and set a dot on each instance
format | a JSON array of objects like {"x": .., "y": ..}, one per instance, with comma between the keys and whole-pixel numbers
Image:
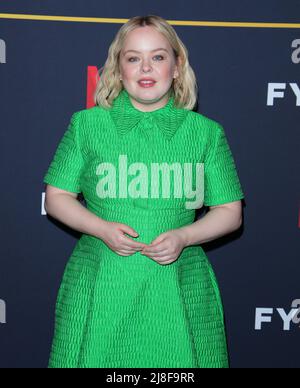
[{"x": 109, "y": 85}]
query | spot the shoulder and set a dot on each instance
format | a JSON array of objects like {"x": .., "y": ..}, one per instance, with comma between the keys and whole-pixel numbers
[
  {"x": 91, "y": 115},
  {"x": 91, "y": 120},
  {"x": 202, "y": 120},
  {"x": 202, "y": 125}
]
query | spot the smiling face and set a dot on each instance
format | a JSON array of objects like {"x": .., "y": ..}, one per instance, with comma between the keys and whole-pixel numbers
[{"x": 152, "y": 58}]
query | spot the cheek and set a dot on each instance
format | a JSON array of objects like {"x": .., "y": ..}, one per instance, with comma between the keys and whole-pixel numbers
[
  {"x": 128, "y": 71},
  {"x": 165, "y": 72}
]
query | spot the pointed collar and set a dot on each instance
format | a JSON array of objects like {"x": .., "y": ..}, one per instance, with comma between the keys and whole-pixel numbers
[{"x": 126, "y": 116}]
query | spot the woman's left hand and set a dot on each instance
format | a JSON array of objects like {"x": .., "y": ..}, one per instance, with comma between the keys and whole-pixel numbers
[{"x": 167, "y": 247}]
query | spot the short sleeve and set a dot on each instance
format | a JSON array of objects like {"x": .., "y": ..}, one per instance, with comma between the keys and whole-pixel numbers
[
  {"x": 221, "y": 181},
  {"x": 65, "y": 168}
]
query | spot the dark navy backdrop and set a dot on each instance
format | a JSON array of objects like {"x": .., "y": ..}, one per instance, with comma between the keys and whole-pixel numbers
[{"x": 44, "y": 80}]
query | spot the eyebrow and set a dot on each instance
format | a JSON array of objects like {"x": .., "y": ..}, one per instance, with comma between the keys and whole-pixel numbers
[{"x": 135, "y": 51}]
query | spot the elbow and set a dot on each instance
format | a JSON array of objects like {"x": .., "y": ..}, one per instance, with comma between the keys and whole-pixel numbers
[
  {"x": 46, "y": 206},
  {"x": 237, "y": 212},
  {"x": 239, "y": 223}
]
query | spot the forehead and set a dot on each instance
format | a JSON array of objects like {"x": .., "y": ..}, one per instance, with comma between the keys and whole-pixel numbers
[{"x": 145, "y": 39}]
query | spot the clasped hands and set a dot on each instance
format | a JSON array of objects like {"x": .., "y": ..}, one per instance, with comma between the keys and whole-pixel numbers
[{"x": 166, "y": 248}]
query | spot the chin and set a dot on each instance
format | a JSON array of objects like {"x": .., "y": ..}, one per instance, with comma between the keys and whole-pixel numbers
[{"x": 150, "y": 95}]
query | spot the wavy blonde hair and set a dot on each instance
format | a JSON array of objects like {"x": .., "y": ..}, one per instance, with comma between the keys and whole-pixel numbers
[{"x": 184, "y": 86}]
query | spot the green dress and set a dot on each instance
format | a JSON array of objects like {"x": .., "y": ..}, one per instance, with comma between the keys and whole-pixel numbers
[{"x": 116, "y": 311}]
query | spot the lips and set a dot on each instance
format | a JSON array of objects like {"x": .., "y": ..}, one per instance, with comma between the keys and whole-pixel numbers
[
  {"x": 147, "y": 79},
  {"x": 146, "y": 83}
]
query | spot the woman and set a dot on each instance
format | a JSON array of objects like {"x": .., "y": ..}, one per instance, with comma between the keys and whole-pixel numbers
[{"x": 138, "y": 290}]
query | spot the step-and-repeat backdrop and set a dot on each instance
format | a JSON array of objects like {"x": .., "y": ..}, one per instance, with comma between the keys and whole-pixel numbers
[{"x": 248, "y": 71}]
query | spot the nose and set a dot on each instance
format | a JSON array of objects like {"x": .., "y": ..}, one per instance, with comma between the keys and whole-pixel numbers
[{"x": 146, "y": 67}]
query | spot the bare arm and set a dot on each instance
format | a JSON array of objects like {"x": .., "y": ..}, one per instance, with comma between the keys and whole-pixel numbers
[
  {"x": 65, "y": 207},
  {"x": 219, "y": 221}
]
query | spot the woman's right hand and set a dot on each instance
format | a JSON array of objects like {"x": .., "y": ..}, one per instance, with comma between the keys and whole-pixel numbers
[{"x": 114, "y": 237}]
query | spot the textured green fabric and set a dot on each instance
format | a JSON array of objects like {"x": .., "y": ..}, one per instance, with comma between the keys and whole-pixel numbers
[{"x": 129, "y": 311}]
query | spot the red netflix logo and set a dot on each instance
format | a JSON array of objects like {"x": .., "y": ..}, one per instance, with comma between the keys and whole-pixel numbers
[{"x": 92, "y": 79}]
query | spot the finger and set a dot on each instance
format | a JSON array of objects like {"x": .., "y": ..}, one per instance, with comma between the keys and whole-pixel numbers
[
  {"x": 133, "y": 244},
  {"x": 164, "y": 262},
  {"x": 127, "y": 252},
  {"x": 167, "y": 262},
  {"x": 127, "y": 229},
  {"x": 157, "y": 254},
  {"x": 154, "y": 250}
]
